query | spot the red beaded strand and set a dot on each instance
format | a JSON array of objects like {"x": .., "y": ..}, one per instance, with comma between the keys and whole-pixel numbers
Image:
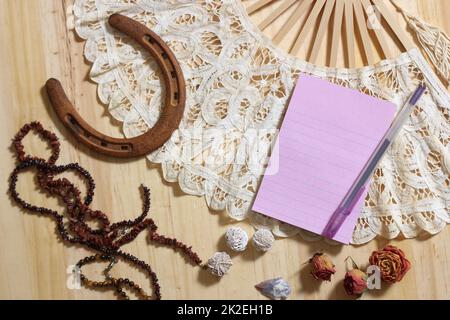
[{"x": 108, "y": 238}]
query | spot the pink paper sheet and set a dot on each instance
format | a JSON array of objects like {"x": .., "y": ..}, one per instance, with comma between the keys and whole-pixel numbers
[{"x": 328, "y": 134}]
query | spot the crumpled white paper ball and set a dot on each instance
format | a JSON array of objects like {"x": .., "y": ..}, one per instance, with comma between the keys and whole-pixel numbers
[
  {"x": 237, "y": 239},
  {"x": 263, "y": 240},
  {"x": 219, "y": 264}
]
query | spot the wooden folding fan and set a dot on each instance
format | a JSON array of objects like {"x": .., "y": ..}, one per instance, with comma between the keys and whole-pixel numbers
[{"x": 289, "y": 23}]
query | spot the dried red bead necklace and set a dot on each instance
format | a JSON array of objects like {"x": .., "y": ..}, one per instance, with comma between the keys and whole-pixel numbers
[{"x": 108, "y": 238}]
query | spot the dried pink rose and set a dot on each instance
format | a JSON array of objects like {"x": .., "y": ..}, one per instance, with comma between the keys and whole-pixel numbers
[
  {"x": 392, "y": 263},
  {"x": 322, "y": 267},
  {"x": 355, "y": 282}
]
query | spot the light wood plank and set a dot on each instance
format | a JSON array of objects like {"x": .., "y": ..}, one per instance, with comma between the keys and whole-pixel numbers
[{"x": 33, "y": 262}]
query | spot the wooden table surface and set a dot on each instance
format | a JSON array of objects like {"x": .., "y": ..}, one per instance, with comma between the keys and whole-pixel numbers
[{"x": 36, "y": 45}]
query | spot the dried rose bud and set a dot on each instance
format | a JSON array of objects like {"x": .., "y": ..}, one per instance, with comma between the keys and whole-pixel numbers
[
  {"x": 322, "y": 267},
  {"x": 355, "y": 282},
  {"x": 392, "y": 263}
]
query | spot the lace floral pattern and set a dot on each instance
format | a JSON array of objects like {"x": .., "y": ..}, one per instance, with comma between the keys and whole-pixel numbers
[{"x": 238, "y": 82}]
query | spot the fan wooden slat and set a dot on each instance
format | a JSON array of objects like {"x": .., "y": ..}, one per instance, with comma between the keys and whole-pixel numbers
[
  {"x": 310, "y": 22},
  {"x": 381, "y": 37},
  {"x": 321, "y": 31},
  {"x": 276, "y": 13},
  {"x": 258, "y": 5},
  {"x": 337, "y": 31},
  {"x": 401, "y": 35},
  {"x": 295, "y": 16},
  {"x": 349, "y": 33},
  {"x": 363, "y": 31}
]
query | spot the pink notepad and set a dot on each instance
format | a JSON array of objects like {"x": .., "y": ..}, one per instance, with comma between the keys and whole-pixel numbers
[{"x": 328, "y": 134}]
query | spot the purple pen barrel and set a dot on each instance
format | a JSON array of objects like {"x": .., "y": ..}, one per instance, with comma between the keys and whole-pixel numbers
[{"x": 417, "y": 94}]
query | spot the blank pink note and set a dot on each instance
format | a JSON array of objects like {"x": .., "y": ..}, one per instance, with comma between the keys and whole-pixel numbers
[{"x": 328, "y": 134}]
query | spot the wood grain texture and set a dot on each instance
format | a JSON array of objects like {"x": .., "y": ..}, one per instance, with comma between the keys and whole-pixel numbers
[{"x": 37, "y": 45}]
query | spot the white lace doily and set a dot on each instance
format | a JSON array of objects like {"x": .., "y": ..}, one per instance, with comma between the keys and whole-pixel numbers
[{"x": 238, "y": 82}]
